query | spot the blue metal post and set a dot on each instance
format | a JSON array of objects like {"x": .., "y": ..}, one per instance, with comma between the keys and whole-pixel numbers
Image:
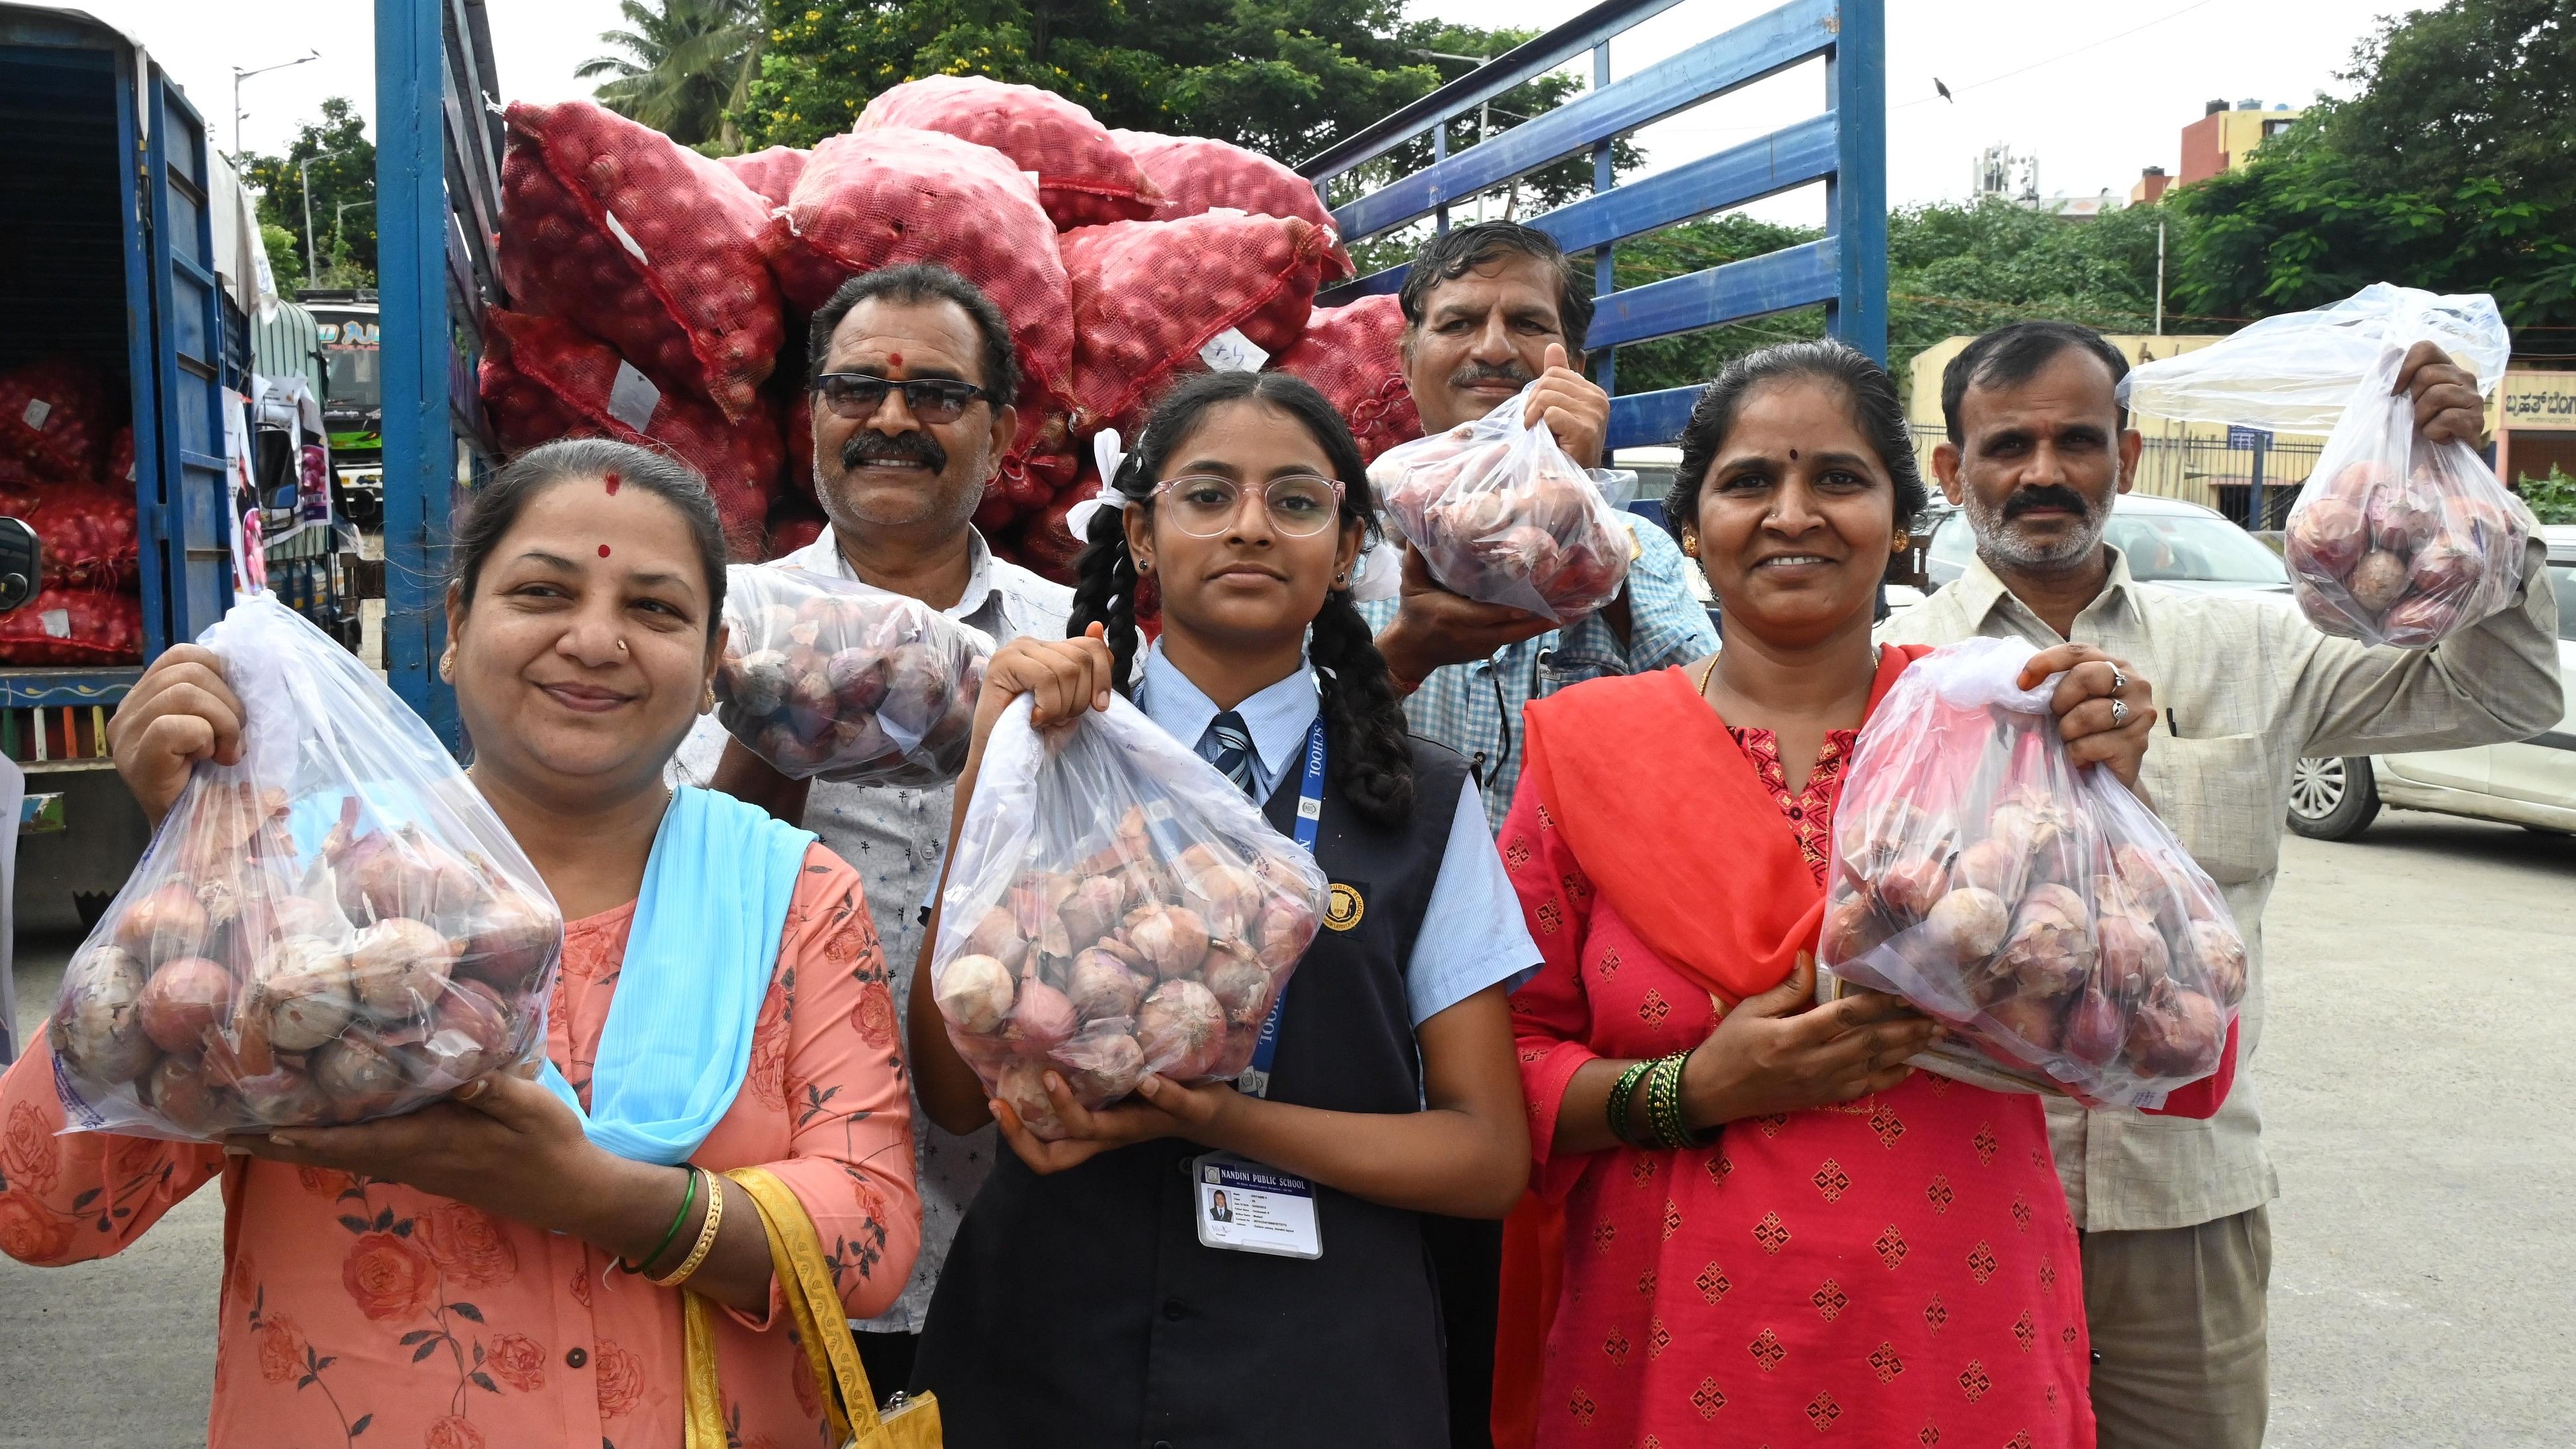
[
  {"x": 1605, "y": 260},
  {"x": 419, "y": 443},
  {"x": 1440, "y": 153},
  {"x": 1856, "y": 199}
]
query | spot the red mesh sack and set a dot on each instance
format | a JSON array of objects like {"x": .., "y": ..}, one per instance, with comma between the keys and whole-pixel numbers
[
  {"x": 771, "y": 174},
  {"x": 86, "y": 531},
  {"x": 542, "y": 380},
  {"x": 885, "y": 197},
  {"x": 73, "y": 626},
  {"x": 1197, "y": 174},
  {"x": 1083, "y": 177},
  {"x": 1354, "y": 356},
  {"x": 1042, "y": 543},
  {"x": 54, "y": 417},
  {"x": 799, "y": 443},
  {"x": 793, "y": 523},
  {"x": 646, "y": 243},
  {"x": 1148, "y": 295},
  {"x": 120, "y": 457}
]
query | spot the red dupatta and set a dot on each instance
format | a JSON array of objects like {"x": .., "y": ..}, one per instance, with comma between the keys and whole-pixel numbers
[{"x": 1701, "y": 865}]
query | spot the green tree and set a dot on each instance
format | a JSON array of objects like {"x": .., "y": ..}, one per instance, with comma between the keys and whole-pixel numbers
[
  {"x": 2448, "y": 169},
  {"x": 687, "y": 70},
  {"x": 285, "y": 258},
  {"x": 340, "y": 161}
]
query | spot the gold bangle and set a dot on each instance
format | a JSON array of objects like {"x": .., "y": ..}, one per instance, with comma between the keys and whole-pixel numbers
[{"x": 706, "y": 1233}]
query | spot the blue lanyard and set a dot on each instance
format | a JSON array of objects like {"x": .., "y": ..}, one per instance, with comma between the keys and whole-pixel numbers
[{"x": 1255, "y": 1080}]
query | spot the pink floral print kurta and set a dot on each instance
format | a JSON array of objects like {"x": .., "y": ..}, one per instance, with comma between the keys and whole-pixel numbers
[{"x": 358, "y": 1313}]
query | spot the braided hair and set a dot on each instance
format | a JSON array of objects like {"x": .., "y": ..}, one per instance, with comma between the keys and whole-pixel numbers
[{"x": 1370, "y": 760}]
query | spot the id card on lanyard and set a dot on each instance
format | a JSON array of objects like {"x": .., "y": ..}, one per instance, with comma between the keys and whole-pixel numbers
[{"x": 1246, "y": 1206}]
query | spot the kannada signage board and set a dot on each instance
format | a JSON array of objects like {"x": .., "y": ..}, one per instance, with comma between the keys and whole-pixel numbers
[{"x": 2538, "y": 402}]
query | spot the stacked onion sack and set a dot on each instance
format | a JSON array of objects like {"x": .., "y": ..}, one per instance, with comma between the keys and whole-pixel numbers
[
  {"x": 1115, "y": 908},
  {"x": 67, "y": 472},
  {"x": 2040, "y": 910},
  {"x": 822, "y": 677},
  {"x": 335, "y": 929},
  {"x": 1500, "y": 513},
  {"x": 2393, "y": 539}
]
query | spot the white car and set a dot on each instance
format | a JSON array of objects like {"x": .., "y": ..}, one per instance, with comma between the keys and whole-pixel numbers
[
  {"x": 2167, "y": 541},
  {"x": 2531, "y": 783}
]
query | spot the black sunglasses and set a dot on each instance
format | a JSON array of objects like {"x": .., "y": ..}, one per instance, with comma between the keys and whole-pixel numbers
[{"x": 858, "y": 395}]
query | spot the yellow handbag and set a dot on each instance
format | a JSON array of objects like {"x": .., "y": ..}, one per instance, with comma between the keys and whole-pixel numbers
[{"x": 849, "y": 1404}]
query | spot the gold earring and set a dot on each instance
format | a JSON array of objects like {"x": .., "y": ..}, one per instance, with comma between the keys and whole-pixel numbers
[
  {"x": 707, "y": 702},
  {"x": 447, "y": 665},
  {"x": 1690, "y": 544},
  {"x": 1901, "y": 542}
]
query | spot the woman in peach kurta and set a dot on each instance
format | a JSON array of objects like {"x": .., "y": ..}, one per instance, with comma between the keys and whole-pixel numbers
[
  {"x": 354, "y": 1307},
  {"x": 452, "y": 1278}
]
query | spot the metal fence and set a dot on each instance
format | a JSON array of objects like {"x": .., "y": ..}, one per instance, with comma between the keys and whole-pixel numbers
[{"x": 2219, "y": 473}]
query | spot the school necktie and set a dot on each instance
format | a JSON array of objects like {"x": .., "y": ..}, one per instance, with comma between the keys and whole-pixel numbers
[{"x": 1228, "y": 746}]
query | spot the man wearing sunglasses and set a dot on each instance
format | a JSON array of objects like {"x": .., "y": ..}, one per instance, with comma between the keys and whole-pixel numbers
[{"x": 913, "y": 381}]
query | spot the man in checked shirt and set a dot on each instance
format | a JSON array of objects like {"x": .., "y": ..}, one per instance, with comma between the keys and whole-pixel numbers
[
  {"x": 1489, "y": 309},
  {"x": 2177, "y": 1239}
]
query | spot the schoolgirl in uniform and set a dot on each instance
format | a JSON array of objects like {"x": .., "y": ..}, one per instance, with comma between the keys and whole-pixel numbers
[{"x": 1083, "y": 1303}]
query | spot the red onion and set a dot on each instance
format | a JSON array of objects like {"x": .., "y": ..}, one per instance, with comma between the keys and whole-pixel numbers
[
  {"x": 2176, "y": 1034},
  {"x": 303, "y": 982},
  {"x": 997, "y": 935},
  {"x": 1041, "y": 1018},
  {"x": 468, "y": 1032},
  {"x": 1101, "y": 1067},
  {"x": 1912, "y": 886},
  {"x": 361, "y": 1078},
  {"x": 1968, "y": 924},
  {"x": 1182, "y": 1028},
  {"x": 857, "y": 678},
  {"x": 1853, "y": 929},
  {"x": 2134, "y": 957},
  {"x": 1091, "y": 911},
  {"x": 167, "y": 922},
  {"x": 180, "y": 1094},
  {"x": 975, "y": 994},
  {"x": 2051, "y": 948},
  {"x": 2221, "y": 953},
  {"x": 756, "y": 682},
  {"x": 184, "y": 1000},
  {"x": 1287, "y": 927},
  {"x": 1022, "y": 1083},
  {"x": 399, "y": 966},
  {"x": 1172, "y": 939},
  {"x": 916, "y": 688},
  {"x": 2328, "y": 536},
  {"x": 97, "y": 1031},
  {"x": 1990, "y": 865},
  {"x": 1101, "y": 987},
  {"x": 285, "y": 1097},
  {"x": 2037, "y": 1020},
  {"x": 2094, "y": 1029},
  {"x": 1240, "y": 983},
  {"x": 510, "y": 938},
  {"x": 2377, "y": 581}
]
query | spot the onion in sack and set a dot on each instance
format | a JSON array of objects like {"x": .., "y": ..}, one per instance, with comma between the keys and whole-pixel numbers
[
  {"x": 976, "y": 993},
  {"x": 1182, "y": 1029},
  {"x": 399, "y": 966},
  {"x": 1240, "y": 983},
  {"x": 180, "y": 1091},
  {"x": 1101, "y": 987},
  {"x": 1103, "y": 1064},
  {"x": 509, "y": 939},
  {"x": 2176, "y": 1033},
  {"x": 360, "y": 1076},
  {"x": 2221, "y": 954},
  {"x": 185, "y": 999},
  {"x": 97, "y": 1030},
  {"x": 2133, "y": 957},
  {"x": 1968, "y": 924},
  {"x": 304, "y": 986},
  {"x": 167, "y": 922},
  {"x": 1041, "y": 1018},
  {"x": 1022, "y": 1084},
  {"x": 2051, "y": 950}
]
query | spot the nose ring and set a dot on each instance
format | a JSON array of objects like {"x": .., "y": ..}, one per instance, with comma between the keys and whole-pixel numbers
[{"x": 621, "y": 646}]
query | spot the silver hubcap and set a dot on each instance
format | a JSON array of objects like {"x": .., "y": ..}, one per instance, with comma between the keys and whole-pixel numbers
[{"x": 2316, "y": 787}]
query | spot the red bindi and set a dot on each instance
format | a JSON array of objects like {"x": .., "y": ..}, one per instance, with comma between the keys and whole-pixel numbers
[
  {"x": 894, "y": 359},
  {"x": 612, "y": 480},
  {"x": 603, "y": 550}
]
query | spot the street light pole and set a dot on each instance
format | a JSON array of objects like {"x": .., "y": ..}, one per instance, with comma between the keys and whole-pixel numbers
[
  {"x": 240, "y": 75},
  {"x": 2160, "y": 276},
  {"x": 304, "y": 168}
]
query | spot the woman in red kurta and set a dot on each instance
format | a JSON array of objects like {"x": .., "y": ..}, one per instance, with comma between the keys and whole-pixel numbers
[{"x": 1856, "y": 1251}]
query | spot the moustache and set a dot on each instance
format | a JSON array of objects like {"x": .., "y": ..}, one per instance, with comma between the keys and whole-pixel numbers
[
  {"x": 867, "y": 447},
  {"x": 2047, "y": 496},
  {"x": 1476, "y": 372}
]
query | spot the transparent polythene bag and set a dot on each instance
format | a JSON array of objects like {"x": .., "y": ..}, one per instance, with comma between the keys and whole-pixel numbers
[
  {"x": 1114, "y": 908},
  {"x": 2393, "y": 539},
  {"x": 2039, "y": 909},
  {"x": 336, "y": 928},
  {"x": 829, "y": 679},
  {"x": 1501, "y": 514}
]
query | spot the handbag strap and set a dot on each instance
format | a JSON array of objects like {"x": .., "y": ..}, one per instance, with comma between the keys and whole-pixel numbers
[{"x": 814, "y": 1305}]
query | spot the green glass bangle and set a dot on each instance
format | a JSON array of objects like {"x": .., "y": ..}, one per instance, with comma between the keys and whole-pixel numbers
[
  {"x": 686, "y": 1199},
  {"x": 1623, "y": 1094},
  {"x": 1664, "y": 1104}
]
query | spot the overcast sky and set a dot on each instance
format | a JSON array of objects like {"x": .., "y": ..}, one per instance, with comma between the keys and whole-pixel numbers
[{"x": 2095, "y": 92}]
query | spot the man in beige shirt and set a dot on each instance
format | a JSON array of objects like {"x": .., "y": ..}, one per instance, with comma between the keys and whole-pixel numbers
[{"x": 2177, "y": 1242}]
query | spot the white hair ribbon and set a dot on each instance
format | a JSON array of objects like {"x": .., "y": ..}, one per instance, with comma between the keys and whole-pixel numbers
[{"x": 1104, "y": 451}]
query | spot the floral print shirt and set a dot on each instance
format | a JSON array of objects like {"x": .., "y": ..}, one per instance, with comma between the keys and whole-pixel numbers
[{"x": 360, "y": 1312}]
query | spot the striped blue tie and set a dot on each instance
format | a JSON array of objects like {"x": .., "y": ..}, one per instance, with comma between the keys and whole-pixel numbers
[{"x": 1228, "y": 746}]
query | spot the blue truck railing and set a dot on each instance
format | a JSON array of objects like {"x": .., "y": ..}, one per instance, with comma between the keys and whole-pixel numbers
[
  {"x": 438, "y": 209},
  {"x": 1845, "y": 148}
]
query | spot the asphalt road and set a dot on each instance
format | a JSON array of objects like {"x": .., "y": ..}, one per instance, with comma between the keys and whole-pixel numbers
[{"x": 2417, "y": 1084}]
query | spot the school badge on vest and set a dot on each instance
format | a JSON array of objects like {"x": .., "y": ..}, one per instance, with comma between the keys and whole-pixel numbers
[{"x": 1344, "y": 909}]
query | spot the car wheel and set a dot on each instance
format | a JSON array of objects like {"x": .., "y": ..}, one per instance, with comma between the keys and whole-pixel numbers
[{"x": 2334, "y": 798}]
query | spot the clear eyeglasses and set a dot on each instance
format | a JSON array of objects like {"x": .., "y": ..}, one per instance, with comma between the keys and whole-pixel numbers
[{"x": 1204, "y": 505}]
